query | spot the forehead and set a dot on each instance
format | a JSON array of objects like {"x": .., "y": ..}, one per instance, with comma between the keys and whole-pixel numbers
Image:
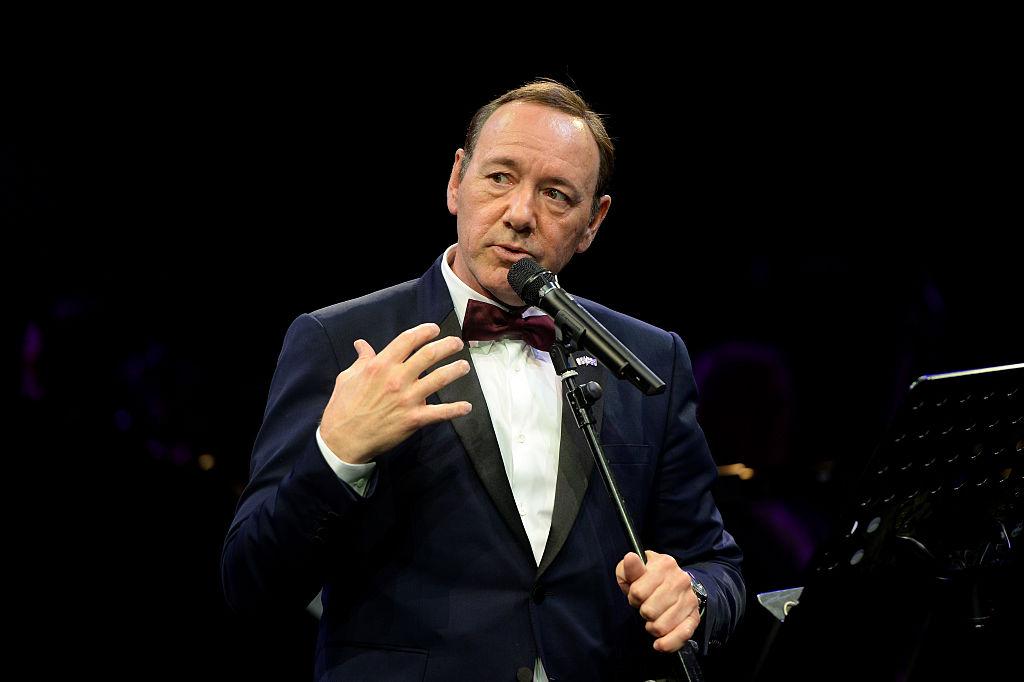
[{"x": 540, "y": 134}]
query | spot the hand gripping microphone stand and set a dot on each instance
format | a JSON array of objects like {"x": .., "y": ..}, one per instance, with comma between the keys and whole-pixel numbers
[{"x": 569, "y": 332}]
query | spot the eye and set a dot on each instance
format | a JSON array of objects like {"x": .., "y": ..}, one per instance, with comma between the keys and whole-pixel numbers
[
  {"x": 500, "y": 178},
  {"x": 557, "y": 195}
]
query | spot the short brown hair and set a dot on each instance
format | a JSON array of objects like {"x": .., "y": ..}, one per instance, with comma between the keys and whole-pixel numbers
[{"x": 552, "y": 94}]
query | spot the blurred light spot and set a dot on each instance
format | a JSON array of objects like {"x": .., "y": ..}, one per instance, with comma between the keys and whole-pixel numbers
[
  {"x": 32, "y": 348},
  {"x": 33, "y": 343},
  {"x": 122, "y": 420},
  {"x": 738, "y": 469},
  {"x": 206, "y": 461},
  {"x": 68, "y": 308}
]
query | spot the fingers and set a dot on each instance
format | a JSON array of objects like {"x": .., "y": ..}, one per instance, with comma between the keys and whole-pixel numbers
[
  {"x": 620, "y": 577},
  {"x": 664, "y": 624},
  {"x": 431, "y": 354},
  {"x": 674, "y": 640},
  {"x": 646, "y": 578},
  {"x": 364, "y": 350},
  {"x": 629, "y": 570},
  {"x": 402, "y": 346},
  {"x": 411, "y": 347},
  {"x": 431, "y": 414},
  {"x": 441, "y": 377},
  {"x": 668, "y": 591},
  {"x": 661, "y": 591},
  {"x": 377, "y": 403},
  {"x": 634, "y": 567},
  {"x": 663, "y": 617}
]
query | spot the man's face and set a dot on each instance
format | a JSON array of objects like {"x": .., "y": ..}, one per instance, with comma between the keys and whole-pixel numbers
[{"x": 527, "y": 192}]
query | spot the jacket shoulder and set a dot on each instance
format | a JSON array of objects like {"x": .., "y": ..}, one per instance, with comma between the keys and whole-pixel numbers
[
  {"x": 623, "y": 325},
  {"x": 399, "y": 295}
]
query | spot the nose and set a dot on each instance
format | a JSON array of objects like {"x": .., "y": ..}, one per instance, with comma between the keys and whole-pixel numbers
[{"x": 520, "y": 214}]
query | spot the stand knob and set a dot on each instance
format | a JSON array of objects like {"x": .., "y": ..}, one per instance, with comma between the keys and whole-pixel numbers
[{"x": 591, "y": 392}]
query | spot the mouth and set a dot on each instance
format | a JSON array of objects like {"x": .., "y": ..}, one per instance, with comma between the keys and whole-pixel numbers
[{"x": 510, "y": 253}]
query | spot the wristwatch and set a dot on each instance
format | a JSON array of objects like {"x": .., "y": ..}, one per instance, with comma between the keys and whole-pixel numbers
[{"x": 700, "y": 591}]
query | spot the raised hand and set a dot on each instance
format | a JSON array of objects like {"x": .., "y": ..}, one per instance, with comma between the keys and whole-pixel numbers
[{"x": 380, "y": 400}]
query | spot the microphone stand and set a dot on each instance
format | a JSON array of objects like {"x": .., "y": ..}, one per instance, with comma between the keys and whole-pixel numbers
[{"x": 567, "y": 334}]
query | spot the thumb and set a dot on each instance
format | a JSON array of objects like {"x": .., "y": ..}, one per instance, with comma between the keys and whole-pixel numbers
[
  {"x": 364, "y": 350},
  {"x": 633, "y": 568}
]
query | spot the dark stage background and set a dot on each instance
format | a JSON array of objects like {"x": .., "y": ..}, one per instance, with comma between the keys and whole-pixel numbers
[{"x": 820, "y": 228}]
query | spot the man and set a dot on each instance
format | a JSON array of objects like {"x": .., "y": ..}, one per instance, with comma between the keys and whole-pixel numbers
[{"x": 447, "y": 503}]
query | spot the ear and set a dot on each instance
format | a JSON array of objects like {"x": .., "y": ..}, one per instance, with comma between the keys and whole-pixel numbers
[
  {"x": 591, "y": 231},
  {"x": 454, "y": 181}
]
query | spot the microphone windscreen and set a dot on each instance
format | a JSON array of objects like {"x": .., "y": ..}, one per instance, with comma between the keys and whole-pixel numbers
[{"x": 524, "y": 280}]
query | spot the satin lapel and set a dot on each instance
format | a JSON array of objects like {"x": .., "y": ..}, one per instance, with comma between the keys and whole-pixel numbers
[
  {"x": 477, "y": 435},
  {"x": 575, "y": 463}
]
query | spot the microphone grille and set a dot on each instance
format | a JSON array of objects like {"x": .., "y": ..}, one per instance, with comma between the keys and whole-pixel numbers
[{"x": 524, "y": 280}]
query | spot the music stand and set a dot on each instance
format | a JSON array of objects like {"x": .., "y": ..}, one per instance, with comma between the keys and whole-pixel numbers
[{"x": 922, "y": 579}]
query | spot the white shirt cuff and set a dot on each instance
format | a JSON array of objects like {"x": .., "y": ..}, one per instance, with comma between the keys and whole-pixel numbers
[{"x": 356, "y": 475}]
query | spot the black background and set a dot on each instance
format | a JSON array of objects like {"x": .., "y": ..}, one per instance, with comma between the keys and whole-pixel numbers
[{"x": 169, "y": 211}]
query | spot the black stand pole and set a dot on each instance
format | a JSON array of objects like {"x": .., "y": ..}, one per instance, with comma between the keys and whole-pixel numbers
[{"x": 580, "y": 399}]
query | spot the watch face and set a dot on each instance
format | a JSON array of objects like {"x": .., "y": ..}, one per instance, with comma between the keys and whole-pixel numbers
[{"x": 702, "y": 594}]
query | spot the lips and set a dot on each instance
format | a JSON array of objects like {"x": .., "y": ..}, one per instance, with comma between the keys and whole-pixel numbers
[{"x": 510, "y": 253}]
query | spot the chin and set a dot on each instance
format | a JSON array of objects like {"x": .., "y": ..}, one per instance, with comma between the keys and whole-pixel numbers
[
  {"x": 507, "y": 296},
  {"x": 503, "y": 292}
]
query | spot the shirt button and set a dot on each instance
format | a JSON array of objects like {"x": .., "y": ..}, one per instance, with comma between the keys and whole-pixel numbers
[
  {"x": 516, "y": 369},
  {"x": 521, "y": 438}
]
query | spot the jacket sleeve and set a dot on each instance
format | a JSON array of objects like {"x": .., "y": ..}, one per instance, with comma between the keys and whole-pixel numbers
[
  {"x": 683, "y": 520},
  {"x": 273, "y": 555}
]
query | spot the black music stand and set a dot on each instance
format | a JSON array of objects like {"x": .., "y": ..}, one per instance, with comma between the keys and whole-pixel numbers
[{"x": 923, "y": 580}]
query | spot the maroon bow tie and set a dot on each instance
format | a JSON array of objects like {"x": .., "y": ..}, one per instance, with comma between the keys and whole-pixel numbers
[{"x": 486, "y": 322}]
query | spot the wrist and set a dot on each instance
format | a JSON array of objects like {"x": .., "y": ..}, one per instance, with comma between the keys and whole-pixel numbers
[
  {"x": 700, "y": 592},
  {"x": 344, "y": 450}
]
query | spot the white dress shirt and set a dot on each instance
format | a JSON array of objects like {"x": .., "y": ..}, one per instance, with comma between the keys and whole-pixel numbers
[{"x": 524, "y": 400}]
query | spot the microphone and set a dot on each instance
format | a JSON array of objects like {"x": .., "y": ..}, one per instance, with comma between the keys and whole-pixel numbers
[{"x": 538, "y": 287}]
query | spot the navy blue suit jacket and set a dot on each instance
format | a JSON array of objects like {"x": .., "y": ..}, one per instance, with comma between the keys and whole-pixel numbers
[{"x": 431, "y": 576}]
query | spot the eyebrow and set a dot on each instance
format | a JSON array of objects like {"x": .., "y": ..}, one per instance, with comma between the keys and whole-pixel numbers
[{"x": 509, "y": 162}]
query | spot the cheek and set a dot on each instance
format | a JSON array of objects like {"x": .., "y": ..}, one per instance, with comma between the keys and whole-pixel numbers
[
  {"x": 564, "y": 245},
  {"x": 475, "y": 217},
  {"x": 470, "y": 227},
  {"x": 492, "y": 209}
]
